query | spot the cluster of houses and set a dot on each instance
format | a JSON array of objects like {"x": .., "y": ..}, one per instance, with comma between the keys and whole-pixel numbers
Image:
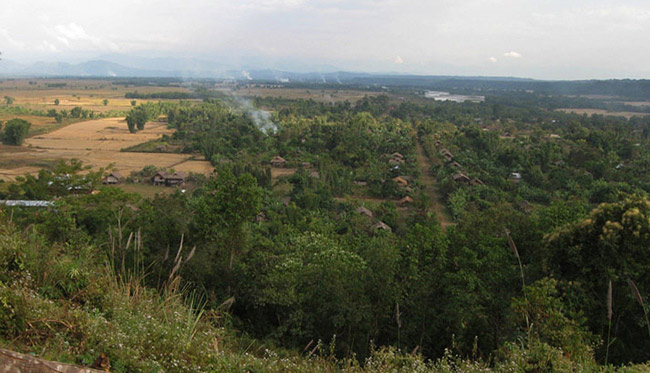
[
  {"x": 396, "y": 160},
  {"x": 279, "y": 162},
  {"x": 380, "y": 225},
  {"x": 160, "y": 178},
  {"x": 460, "y": 176},
  {"x": 169, "y": 179}
]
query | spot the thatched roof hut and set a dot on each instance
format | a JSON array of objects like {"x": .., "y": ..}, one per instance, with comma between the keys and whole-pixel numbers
[
  {"x": 364, "y": 211},
  {"x": 401, "y": 182},
  {"x": 278, "y": 161},
  {"x": 381, "y": 226}
]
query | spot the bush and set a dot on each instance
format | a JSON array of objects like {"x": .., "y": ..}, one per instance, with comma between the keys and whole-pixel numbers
[{"x": 15, "y": 131}]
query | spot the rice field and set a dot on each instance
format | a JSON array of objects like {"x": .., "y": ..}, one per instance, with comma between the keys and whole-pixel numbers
[
  {"x": 89, "y": 94},
  {"x": 97, "y": 143},
  {"x": 625, "y": 114}
]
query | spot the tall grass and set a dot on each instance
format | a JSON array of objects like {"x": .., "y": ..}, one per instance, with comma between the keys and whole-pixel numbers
[
  {"x": 639, "y": 299},
  {"x": 513, "y": 246},
  {"x": 610, "y": 313},
  {"x": 178, "y": 304}
]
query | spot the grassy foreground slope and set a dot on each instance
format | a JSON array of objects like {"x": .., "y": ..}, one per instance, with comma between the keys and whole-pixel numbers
[{"x": 64, "y": 302}]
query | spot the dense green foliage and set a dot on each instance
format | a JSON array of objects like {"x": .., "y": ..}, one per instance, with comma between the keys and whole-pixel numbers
[
  {"x": 552, "y": 207},
  {"x": 141, "y": 114},
  {"x": 15, "y": 131}
]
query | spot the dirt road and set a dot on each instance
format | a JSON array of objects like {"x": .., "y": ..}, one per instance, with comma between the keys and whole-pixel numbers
[{"x": 430, "y": 183}]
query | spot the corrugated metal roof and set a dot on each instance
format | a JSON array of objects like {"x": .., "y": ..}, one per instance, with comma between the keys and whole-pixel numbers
[{"x": 26, "y": 203}]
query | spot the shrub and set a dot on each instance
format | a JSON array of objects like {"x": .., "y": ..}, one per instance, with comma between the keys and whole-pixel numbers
[{"x": 15, "y": 131}]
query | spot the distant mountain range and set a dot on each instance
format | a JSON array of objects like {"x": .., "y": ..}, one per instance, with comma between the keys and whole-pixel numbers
[
  {"x": 97, "y": 68},
  {"x": 120, "y": 66}
]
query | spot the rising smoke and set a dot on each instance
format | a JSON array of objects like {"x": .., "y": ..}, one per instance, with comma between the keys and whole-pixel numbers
[{"x": 262, "y": 118}]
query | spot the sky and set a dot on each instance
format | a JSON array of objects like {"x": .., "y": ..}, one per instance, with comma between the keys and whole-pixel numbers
[{"x": 548, "y": 39}]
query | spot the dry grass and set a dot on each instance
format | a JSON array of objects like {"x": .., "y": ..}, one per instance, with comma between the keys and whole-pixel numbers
[
  {"x": 625, "y": 114},
  {"x": 145, "y": 190},
  {"x": 97, "y": 143},
  {"x": 637, "y": 103},
  {"x": 88, "y": 94},
  {"x": 277, "y": 172}
]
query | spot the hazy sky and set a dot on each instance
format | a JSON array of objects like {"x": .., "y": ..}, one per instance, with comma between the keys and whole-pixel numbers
[{"x": 541, "y": 39}]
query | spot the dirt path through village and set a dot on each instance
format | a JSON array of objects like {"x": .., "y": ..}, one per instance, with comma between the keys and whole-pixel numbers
[{"x": 430, "y": 188}]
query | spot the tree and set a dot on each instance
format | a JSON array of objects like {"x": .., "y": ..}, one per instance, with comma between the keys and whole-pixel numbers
[
  {"x": 138, "y": 116},
  {"x": 133, "y": 102},
  {"x": 315, "y": 289},
  {"x": 15, "y": 131},
  {"x": 105, "y": 102},
  {"x": 67, "y": 177},
  {"x": 56, "y": 101},
  {"x": 9, "y": 100},
  {"x": 78, "y": 112},
  {"x": 225, "y": 205},
  {"x": 131, "y": 125},
  {"x": 610, "y": 244}
]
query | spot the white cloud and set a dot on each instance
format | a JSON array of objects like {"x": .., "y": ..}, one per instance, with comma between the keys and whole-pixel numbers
[
  {"x": 5, "y": 35},
  {"x": 270, "y": 5},
  {"x": 73, "y": 31},
  {"x": 576, "y": 39},
  {"x": 63, "y": 40},
  {"x": 74, "y": 37},
  {"x": 512, "y": 54},
  {"x": 47, "y": 47}
]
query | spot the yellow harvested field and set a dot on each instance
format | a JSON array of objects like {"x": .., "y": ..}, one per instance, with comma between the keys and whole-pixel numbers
[
  {"x": 100, "y": 134},
  {"x": 625, "y": 114},
  {"x": 87, "y": 93},
  {"x": 637, "y": 103},
  {"x": 97, "y": 143}
]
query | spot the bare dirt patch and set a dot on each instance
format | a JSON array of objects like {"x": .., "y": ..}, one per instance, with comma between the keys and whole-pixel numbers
[
  {"x": 277, "y": 172},
  {"x": 199, "y": 167}
]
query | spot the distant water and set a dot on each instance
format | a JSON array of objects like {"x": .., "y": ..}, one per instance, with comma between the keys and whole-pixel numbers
[{"x": 446, "y": 96}]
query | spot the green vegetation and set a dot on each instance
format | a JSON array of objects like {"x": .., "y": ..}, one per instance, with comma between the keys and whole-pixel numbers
[
  {"x": 141, "y": 114},
  {"x": 317, "y": 241},
  {"x": 15, "y": 131}
]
